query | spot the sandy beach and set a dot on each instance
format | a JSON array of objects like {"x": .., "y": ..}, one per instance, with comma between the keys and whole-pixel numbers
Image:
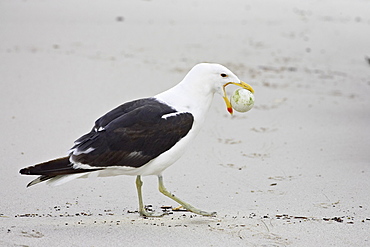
[{"x": 293, "y": 171}]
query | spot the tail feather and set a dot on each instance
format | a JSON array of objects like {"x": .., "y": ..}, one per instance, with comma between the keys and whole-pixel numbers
[
  {"x": 51, "y": 169},
  {"x": 40, "y": 179}
]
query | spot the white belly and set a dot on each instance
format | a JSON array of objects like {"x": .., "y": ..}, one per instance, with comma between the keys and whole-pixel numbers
[{"x": 157, "y": 165}]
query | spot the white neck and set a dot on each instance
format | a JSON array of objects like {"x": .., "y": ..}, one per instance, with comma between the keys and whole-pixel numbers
[{"x": 189, "y": 97}]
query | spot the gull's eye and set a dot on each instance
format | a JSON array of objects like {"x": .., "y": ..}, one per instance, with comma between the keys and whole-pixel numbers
[{"x": 223, "y": 75}]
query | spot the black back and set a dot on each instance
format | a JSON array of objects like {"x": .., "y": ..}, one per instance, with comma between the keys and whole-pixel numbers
[{"x": 132, "y": 134}]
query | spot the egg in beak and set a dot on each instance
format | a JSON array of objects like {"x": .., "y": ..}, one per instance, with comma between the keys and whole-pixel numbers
[{"x": 241, "y": 84}]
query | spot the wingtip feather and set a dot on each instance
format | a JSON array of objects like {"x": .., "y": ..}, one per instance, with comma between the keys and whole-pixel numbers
[{"x": 39, "y": 180}]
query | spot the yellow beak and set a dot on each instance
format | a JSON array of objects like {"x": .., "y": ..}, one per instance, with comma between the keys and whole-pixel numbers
[{"x": 242, "y": 84}]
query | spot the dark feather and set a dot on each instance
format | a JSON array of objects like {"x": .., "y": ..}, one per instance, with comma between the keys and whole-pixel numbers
[
  {"x": 132, "y": 134},
  {"x": 60, "y": 166},
  {"x": 51, "y": 169}
]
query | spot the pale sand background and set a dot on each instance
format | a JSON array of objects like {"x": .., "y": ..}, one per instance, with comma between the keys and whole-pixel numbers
[{"x": 294, "y": 171}]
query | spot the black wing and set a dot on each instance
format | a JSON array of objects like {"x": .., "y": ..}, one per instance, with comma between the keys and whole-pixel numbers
[
  {"x": 132, "y": 135},
  {"x": 51, "y": 169}
]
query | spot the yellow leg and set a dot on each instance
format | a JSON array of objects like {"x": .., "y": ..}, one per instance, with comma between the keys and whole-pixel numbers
[
  {"x": 142, "y": 210},
  {"x": 187, "y": 206}
]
